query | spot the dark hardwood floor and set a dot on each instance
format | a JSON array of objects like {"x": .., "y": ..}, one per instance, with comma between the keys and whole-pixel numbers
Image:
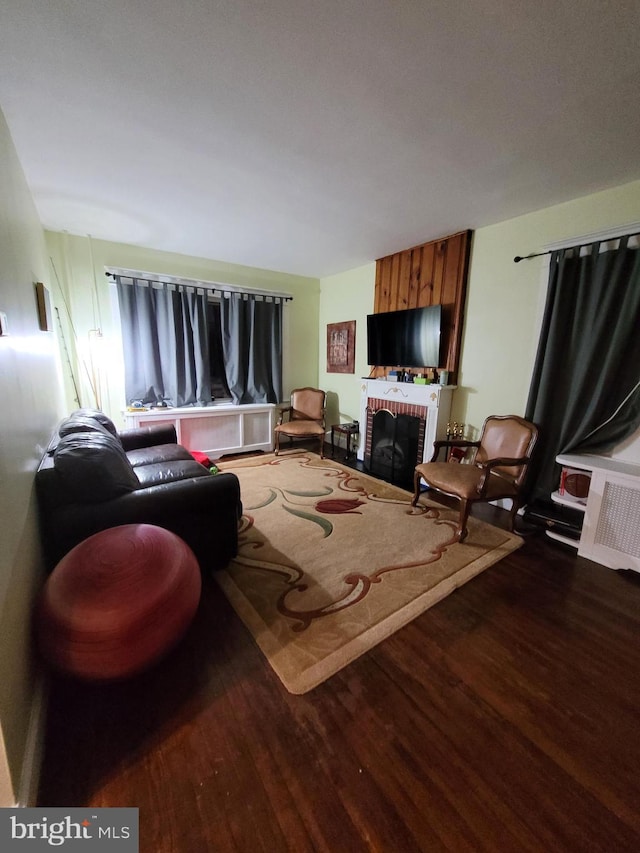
[{"x": 504, "y": 718}]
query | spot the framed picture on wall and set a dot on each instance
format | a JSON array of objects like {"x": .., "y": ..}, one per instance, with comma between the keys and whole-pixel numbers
[
  {"x": 43, "y": 302},
  {"x": 341, "y": 347}
]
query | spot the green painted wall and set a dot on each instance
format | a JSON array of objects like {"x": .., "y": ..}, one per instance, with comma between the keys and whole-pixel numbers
[
  {"x": 83, "y": 292},
  {"x": 505, "y": 300},
  {"x": 345, "y": 296},
  {"x": 504, "y": 307},
  {"x": 31, "y": 397}
]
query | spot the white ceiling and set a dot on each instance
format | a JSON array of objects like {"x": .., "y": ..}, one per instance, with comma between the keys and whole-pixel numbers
[{"x": 312, "y": 136}]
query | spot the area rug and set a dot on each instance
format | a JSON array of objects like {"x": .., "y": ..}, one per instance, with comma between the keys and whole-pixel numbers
[{"x": 332, "y": 561}]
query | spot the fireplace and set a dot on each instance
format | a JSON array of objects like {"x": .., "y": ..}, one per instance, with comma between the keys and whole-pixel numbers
[
  {"x": 400, "y": 422},
  {"x": 395, "y": 446}
]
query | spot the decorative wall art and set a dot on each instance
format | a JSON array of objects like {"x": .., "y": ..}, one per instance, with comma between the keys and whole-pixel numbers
[
  {"x": 43, "y": 301},
  {"x": 341, "y": 347}
]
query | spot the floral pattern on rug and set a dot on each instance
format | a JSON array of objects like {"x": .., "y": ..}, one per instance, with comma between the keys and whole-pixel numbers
[
  {"x": 332, "y": 561},
  {"x": 356, "y": 585}
]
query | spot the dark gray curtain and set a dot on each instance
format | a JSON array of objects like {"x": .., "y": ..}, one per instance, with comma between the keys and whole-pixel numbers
[
  {"x": 584, "y": 393},
  {"x": 252, "y": 346},
  {"x": 165, "y": 342}
]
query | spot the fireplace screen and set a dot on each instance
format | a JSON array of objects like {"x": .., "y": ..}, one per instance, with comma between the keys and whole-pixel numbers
[{"x": 395, "y": 441}]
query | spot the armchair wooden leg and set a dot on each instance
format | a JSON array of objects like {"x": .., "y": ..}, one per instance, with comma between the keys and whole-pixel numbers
[
  {"x": 416, "y": 489},
  {"x": 461, "y": 532},
  {"x": 322, "y": 447},
  {"x": 515, "y": 504},
  {"x": 277, "y": 443}
]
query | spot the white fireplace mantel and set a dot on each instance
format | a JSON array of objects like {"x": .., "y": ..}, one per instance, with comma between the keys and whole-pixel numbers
[{"x": 435, "y": 400}]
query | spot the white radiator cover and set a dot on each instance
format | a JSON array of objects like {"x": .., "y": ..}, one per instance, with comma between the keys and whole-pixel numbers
[
  {"x": 216, "y": 430},
  {"x": 611, "y": 530}
]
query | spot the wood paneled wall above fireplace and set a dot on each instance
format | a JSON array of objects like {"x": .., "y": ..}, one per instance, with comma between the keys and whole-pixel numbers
[{"x": 433, "y": 273}]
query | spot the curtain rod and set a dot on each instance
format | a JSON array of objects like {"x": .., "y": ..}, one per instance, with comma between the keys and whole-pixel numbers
[
  {"x": 113, "y": 272},
  {"x": 519, "y": 258},
  {"x": 605, "y": 239}
]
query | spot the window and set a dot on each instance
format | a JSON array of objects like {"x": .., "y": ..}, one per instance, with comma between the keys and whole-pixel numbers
[
  {"x": 219, "y": 388},
  {"x": 187, "y": 342}
]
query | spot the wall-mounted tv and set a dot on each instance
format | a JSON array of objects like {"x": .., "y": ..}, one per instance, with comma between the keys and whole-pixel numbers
[{"x": 407, "y": 338}]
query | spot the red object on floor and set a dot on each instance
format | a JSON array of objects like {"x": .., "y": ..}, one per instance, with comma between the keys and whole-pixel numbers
[
  {"x": 117, "y": 602},
  {"x": 201, "y": 457}
]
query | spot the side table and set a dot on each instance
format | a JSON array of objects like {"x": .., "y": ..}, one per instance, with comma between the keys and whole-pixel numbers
[{"x": 351, "y": 430}]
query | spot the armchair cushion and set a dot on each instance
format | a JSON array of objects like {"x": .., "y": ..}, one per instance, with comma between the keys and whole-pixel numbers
[
  {"x": 464, "y": 481},
  {"x": 301, "y": 428}
]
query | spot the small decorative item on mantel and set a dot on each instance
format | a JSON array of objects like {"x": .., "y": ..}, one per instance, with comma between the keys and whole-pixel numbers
[{"x": 341, "y": 347}]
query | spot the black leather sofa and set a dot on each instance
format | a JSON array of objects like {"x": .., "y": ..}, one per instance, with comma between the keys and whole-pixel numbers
[{"x": 93, "y": 477}]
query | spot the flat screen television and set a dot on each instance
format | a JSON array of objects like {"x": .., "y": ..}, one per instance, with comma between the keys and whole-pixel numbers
[{"x": 407, "y": 338}]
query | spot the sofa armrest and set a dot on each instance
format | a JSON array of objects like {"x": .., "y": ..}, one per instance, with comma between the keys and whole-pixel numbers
[
  {"x": 204, "y": 511},
  {"x": 148, "y": 436}
]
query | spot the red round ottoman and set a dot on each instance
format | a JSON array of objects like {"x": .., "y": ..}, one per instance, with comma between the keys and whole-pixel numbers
[{"x": 117, "y": 602}]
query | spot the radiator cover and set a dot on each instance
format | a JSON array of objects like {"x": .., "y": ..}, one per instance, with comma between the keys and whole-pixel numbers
[{"x": 611, "y": 530}]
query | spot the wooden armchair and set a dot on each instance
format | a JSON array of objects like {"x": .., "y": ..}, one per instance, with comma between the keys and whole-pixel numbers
[
  {"x": 305, "y": 419},
  {"x": 497, "y": 469}
]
